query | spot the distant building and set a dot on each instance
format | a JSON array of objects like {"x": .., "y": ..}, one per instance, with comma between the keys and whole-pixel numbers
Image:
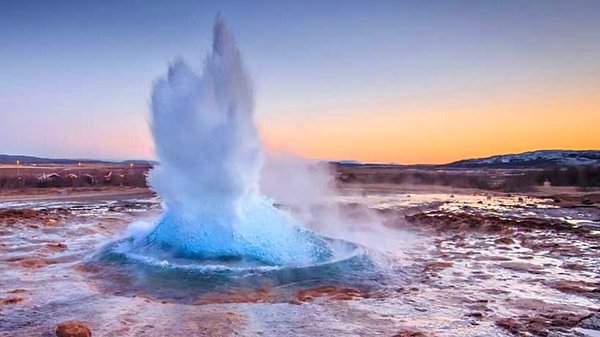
[
  {"x": 49, "y": 177},
  {"x": 88, "y": 178}
]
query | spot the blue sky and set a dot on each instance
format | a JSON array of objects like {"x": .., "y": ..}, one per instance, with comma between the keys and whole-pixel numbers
[{"x": 76, "y": 75}]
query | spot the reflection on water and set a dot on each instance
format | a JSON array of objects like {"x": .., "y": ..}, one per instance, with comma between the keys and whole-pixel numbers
[{"x": 503, "y": 206}]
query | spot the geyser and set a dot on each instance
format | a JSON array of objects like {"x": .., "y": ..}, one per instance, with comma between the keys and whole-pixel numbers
[{"x": 210, "y": 157}]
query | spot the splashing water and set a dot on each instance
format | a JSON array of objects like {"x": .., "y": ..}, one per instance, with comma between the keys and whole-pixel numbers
[{"x": 210, "y": 158}]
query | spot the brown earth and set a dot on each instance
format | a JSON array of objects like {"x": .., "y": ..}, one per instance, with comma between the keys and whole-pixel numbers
[{"x": 73, "y": 329}]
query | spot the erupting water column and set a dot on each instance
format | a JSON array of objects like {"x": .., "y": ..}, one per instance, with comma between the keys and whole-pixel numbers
[{"x": 210, "y": 157}]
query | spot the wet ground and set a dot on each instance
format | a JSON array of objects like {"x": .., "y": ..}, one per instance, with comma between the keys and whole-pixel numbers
[{"x": 461, "y": 264}]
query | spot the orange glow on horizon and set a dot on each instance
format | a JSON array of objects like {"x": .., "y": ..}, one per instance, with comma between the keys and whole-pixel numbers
[
  {"x": 435, "y": 130},
  {"x": 443, "y": 133}
]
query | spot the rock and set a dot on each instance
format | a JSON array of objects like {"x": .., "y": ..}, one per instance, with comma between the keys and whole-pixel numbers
[
  {"x": 437, "y": 265},
  {"x": 591, "y": 322},
  {"x": 57, "y": 247},
  {"x": 504, "y": 241},
  {"x": 587, "y": 202},
  {"x": 492, "y": 258},
  {"x": 46, "y": 216},
  {"x": 260, "y": 295},
  {"x": 522, "y": 267},
  {"x": 10, "y": 300},
  {"x": 573, "y": 266},
  {"x": 73, "y": 329},
  {"x": 521, "y": 327},
  {"x": 509, "y": 324},
  {"x": 542, "y": 318},
  {"x": 410, "y": 334},
  {"x": 475, "y": 314},
  {"x": 341, "y": 297},
  {"x": 332, "y": 292},
  {"x": 32, "y": 263},
  {"x": 577, "y": 287}
]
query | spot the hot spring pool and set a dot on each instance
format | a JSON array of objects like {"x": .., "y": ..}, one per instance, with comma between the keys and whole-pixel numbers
[{"x": 120, "y": 268}]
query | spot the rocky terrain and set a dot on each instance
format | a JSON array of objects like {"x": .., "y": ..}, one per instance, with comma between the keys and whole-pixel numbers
[{"x": 457, "y": 264}]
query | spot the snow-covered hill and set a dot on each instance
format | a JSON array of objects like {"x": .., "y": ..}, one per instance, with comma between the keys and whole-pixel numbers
[{"x": 543, "y": 158}]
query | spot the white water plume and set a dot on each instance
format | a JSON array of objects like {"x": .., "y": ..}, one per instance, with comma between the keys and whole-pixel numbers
[{"x": 210, "y": 158}]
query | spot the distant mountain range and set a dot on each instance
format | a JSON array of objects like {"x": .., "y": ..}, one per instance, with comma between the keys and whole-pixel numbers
[
  {"x": 28, "y": 160},
  {"x": 532, "y": 159},
  {"x": 543, "y": 158}
]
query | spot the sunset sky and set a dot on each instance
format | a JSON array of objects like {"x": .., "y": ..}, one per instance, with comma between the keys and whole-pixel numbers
[{"x": 377, "y": 81}]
